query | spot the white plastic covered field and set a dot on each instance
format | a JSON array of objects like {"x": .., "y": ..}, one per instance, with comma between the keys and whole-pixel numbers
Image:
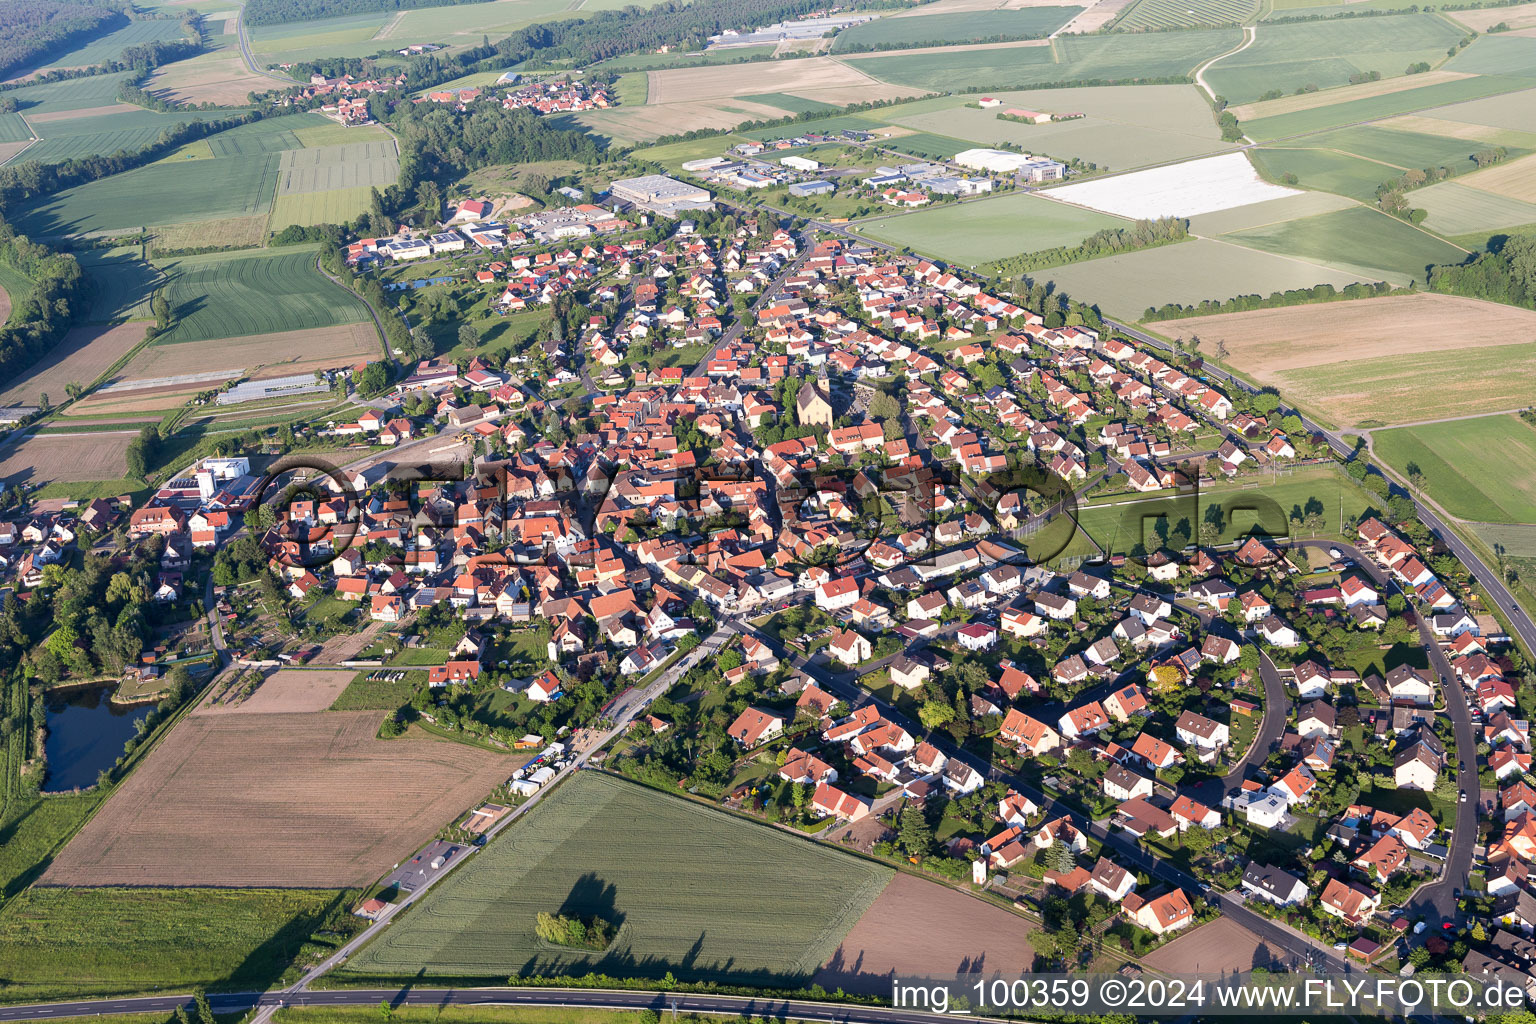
[{"x": 1178, "y": 190}]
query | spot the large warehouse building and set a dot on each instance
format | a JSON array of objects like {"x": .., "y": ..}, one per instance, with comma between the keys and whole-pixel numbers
[{"x": 660, "y": 193}]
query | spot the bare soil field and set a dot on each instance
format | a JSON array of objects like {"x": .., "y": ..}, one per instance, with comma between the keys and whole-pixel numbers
[
  {"x": 66, "y": 458},
  {"x": 1515, "y": 179},
  {"x": 1343, "y": 94},
  {"x": 281, "y": 799},
  {"x": 642, "y": 124},
  {"x": 83, "y": 355},
  {"x": 269, "y": 355},
  {"x": 1267, "y": 342},
  {"x": 10, "y": 149},
  {"x": 1520, "y": 16},
  {"x": 816, "y": 78},
  {"x": 1460, "y": 130},
  {"x": 347, "y": 646},
  {"x": 287, "y": 690},
  {"x": 212, "y": 79},
  {"x": 70, "y": 115},
  {"x": 1220, "y": 946},
  {"x": 150, "y": 402},
  {"x": 956, "y": 929}
]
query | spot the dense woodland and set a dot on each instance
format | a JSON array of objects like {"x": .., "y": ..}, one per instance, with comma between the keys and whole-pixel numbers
[
  {"x": 30, "y": 30},
  {"x": 39, "y": 318},
  {"x": 1506, "y": 273}
]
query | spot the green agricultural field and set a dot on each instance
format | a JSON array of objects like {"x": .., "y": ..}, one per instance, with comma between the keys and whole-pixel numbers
[
  {"x": 1321, "y": 169},
  {"x": 1356, "y": 241},
  {"x": 1497, "y": 55},
  {"x": 350, "y": 36},
  {"x": 1405, "y": 149},
  {"x": 1482, "y": 469},
  {"x": 674, "y": 154},
  {"x": 1511, "y": 110},
  {"x": 1455, "y": 209},
  {"x": 122, "y": 282},
  {"x": 111, "y": 45},
  {"x": 229, "y": 295},
  {"x": 1280, "y": 126},
  {"x": 661, "y": 61},
  {"x": 1270, "y": 211},
  {"x": 13, "y": 128},
  {"x": 325, "y": 132},
  {"x": 340, "y": 206},
  {"x": 961, "y": 27},
  {"x": 602, "y": 846},
  {"x": 1392, "y": 390},
  {"x": 793, "y": 104},
  {"x": 81, "y": 137},
  {"x": 14, "y": 283},
  {"x": 1111, "y": 58},
  {"x": 1164, "y": 14},
  {"x": 60, "y": 943},
  {"x": 1126, "y": 284},
  {"x": 1329, "y": 9},
  {"x": 159, "y": 194},
  {"x": 842, "y": 122},
  {"x": 926, "y": 144},
  {"x": 328, "y": 168},
  {"x": 632, "y": 89},
  {"x": 70, "y": 94},
  {"x": 362, "y": 695},
  {"x": 1290, "y": 56},
  {"x": 974, "y": 233}
]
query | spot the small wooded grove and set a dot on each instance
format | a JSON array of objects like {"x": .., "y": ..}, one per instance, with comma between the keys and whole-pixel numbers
[
  {"x": 40, "y": 317},
  {"x": 1507, "y": 273},
  {"x": 31, "y": 30}
]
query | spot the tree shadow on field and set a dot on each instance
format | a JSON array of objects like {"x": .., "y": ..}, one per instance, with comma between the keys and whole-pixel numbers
[
  {"x": 265, "y": 965},
  {"x": 592, "y": 897}
]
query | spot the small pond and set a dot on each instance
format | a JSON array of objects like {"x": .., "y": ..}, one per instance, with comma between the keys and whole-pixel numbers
[{"x": 86, "y": 733}]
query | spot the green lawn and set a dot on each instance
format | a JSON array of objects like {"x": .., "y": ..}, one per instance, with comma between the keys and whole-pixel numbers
[
  {"x": 1356, "y": 240},
  {"x": 362, "y": 695},
  {"x": 1482, "y": 469},
  {"x": 1323, "y": 54},
  {"x": 228, "y": 295},
  {"x": 600, "y": 846},
  {"x": 76, "y": 943},
  {"x": 959, "y": 27},
  {"x": 33, "y": 829},
  {"x": 991, "y": 229}
]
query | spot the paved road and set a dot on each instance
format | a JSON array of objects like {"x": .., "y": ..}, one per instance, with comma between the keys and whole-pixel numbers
[
  {"x": 250, "y": 58},
  {"x": 744, "y": 1007}
]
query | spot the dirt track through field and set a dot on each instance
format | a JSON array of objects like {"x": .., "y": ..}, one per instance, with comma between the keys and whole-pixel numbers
[
  {"x": 916, "y": 928},
  {"x": 280, "y": 799}
]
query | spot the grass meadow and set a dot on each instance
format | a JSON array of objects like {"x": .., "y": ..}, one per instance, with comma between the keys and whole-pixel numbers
[
  {"x": 58, "y": 943},
  {"x": 979, "y": 232},
  {"x": 70, "y": 94},
  {"x": 1482, "y": 469},
  {"x": 1325, "y": 170},
  {"x": 80, "y": 137},
  {"x": 229, "y": 295},
  {"x": 600, "y": 846}
]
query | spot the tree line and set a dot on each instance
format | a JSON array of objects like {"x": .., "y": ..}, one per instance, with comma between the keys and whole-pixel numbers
[
  {"x": 32, "y": 30},
  {"x": 39, "y": 317},
  {"x": 1144, "y": 234},
  {"x": 1506, "y": 273},
  {"x": 1275, "y": 300}
]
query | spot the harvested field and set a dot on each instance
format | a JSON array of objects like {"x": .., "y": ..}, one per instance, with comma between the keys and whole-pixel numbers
[
  {"x": 42, "y": 459},
  {"x": 959, "y": 932},
  {"x": 1515, "y": 179},
  {"x": 291, "y": 793},
  {"x": 1455, "y": 209},
  {"x": 1220, "y": 946},
  {"x": 212, "y": 78},
  {"x": 1459, "y": 130},
  {"x": 1406, "y": 358},
  {"x": 964, "y": 6},
  {"x": 237, "y": 231},
  {"x": 1428, "y": 99},
  {"x": 48, "y": 117},
  {"x": 1358, "y": 240},
  {"x": 1517, "y": 17},
  {"x": 642, "y": 124},
  {"x": 287, "y": 690},
  {"x": 271, "y": 354},
  {"x": 132, "y": 406},
  {"x": 954, "y": 27},
  {"x": 816, "y": 78},
  {"x": 1343, "y": 94},
  {"x": 8, "y": 150},
  {"x": 602, "y": 846},
  {"x": 84, "y": 354}
]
